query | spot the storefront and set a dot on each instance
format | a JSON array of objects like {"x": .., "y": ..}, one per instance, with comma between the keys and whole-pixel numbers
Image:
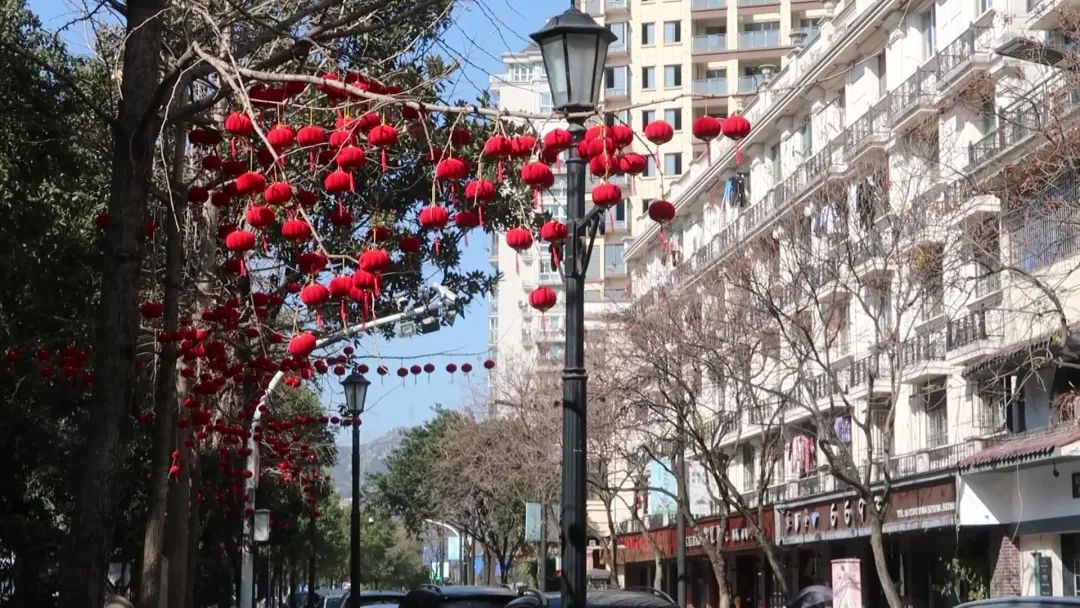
[
  {"x": 1024, "y": 495},
  {"x": 920, "y": 538},
  {"x": 746, "y": 566}
]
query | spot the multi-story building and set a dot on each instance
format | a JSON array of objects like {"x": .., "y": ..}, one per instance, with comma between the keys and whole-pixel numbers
[{"x": 908, "y": 204}]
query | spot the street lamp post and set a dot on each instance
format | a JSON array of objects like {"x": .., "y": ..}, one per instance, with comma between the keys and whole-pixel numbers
[
  {"x": 312, "y": 468},
  {"x": 574, "y": 49},
  {"x": 356, "y": 387}
]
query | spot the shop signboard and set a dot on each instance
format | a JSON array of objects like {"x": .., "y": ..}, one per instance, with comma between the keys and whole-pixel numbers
[
  {"x": 737, "y": 535},
  {"x": 663, "y": 488},
  {"x": 697, "y": 489},
  {"x": 847, "y": 583},
  {"x": 912, "y": 507}
]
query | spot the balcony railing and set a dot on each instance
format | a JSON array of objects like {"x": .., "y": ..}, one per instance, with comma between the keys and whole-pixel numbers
[
  {"x": 760, "y": 39},
  {"x": 970, "y": 328},
  {"x": 757, "y": 2},
  {"x": 1057, "y": 97},
  {"x": 862, "y": 369},
  {"x": 711, "y": 86},
  {"x": 613, "y": 5},
  {"x": 710, "y": 43},
  {"x": 698, "y": 5},
  {"x": 824, "y": 384},
  {"x": 904, "y": 465},
  {"x": 750, "y": 83},
  {"x": 922, "y": 348},
  {"x": 987, "y": 281},
  {"x": 593, "y": 7},
  {"x": 871, "y": 125},
  {"x": 948, "y": 456},
  {"x": 817, "y": 484},
  {"x": 619, "y": 91},
  {"x": 963, "y": 49},
  {"x": 917, "y": 90}
]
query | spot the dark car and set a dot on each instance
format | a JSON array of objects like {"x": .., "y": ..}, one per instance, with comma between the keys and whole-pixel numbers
[
  {"x": 371, "y": 598},
  {"x": 431, "y": 596},
  {"x": 1031, "y": 601},
  {"x": 634, "y": 597}
]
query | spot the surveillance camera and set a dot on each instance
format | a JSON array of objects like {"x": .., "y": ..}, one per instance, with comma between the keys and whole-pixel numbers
[
  {"x": 402, "y": 302},
  {"x": 428, "y": 325},
  {"x": 446, "y": 294}
]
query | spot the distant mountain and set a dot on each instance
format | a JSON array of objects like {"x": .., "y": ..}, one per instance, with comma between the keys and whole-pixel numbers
[{"x": 373, "y": 456}]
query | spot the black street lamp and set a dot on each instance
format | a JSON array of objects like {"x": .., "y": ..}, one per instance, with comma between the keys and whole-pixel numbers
[
  {"x": 574, "y": 48},
  {"x": 355, "y": 386}
]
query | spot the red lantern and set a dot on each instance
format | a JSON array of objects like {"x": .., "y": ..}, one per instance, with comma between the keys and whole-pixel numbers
[
  {"x": 409, "y": 244},
  {"x": 659, "y": 132},
  {"x": 295, "y": 230},
  {"x": 312, "y": 262},
  {"x": 314, "y": 295},
  {"x": 622, "y": 135},
  {"x": 151, "y": 310},
  {"x": 383, "y": 136},
  {"x": 278, "y": 193},
  {"x": 460, "y": 137},
  {"x": 198, "y": 195},
  {"x": 558, "y": 140},
  {"x": 522, "y": 146},
  {"x": 498, "y": 147},
  {"x": 451, "y": 169},
  {"x": 311, "y": 135},
  {"x": 239, "y": 124},
  {"x": 633, "y": 163},
  {"x": 519, "y": 239},
  {"x": 542, "y": 298},
  {"x": 661, "y": 211},
  {"x": 375, "y": 260},
  {"x": 302, "y": 345},
  {"x": 736, "y": 128},
  {"x": 260, "y": 217},
  {"x": 338, "y": 181},
  {"x": 434, "y": 217},
  {"x": 553, "y": 231},
  {"x": 240, "y": 241},
  {"x": 340, "y": 286},
  {"x": 250, "y": 183},
  {"x": 535, "y": 174},
  {"x": 350, "y": 157},
  {"x": 489, "y": 364},
  {"x": 606, "y": 195},
  {"x": 280, "y": 137},
  {"x": 706, "y": 129},
  {"x": 480, "y": 191},
  {"x": 466, "y": 220}
]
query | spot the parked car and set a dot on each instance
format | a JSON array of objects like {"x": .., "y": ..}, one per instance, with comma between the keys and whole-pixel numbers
[
  {"x": 634, "y": 597},
  {"x": 432, "y": 596},
  {"x": 372, "y": 599},
  {"x": 1027, "y": 601}
]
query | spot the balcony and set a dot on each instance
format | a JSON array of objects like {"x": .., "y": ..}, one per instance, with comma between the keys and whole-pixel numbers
[
  {"x": 863, "y": 370},
  {"x": 1058, "y": 99},
  {"x": 761, "y": 39},
  {"x": 616, "y": 7},
  {"x": 974, "y": 336},
  {"x": 869, "y": 133},
  {"x": 593, "y": 7},
  {"x": 1048, "y": 14},
  {"x": 710, "y": 86},
  {"x": 705, "y": 5},
  {"x": 615, "y": 92},
  {"x": 921, "y": 356},
  {"x": 814, "y": 485},
  {"x": 913, "y": 100},
  {"x": 968, "y": 55},
  {"x": 750, "y": 83},
  {"x": 824, "y": 385},
  {"x": 709, "y": 43}
]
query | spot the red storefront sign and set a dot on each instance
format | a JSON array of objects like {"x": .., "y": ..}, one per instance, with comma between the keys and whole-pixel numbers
[{"x": 737, "y": 535}]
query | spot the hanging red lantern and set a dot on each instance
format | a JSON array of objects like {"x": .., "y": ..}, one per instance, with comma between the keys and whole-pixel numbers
[
  {"x": 542, "y": 298},
  {"x": 377, "y": 234},
  {"x": 312, "y": 262},
  {"x": 489, "y": 364},
  {"x": 409, "y": 244},
  {"x": 466, "y": 220},
  {"x": 519, "y": 239},
  {"x": 480, "y": 191},
  {"x": 311, "y": 135},
  {"x": 736, "y": 128},
  {"x": 383, "y": 136},
  {"x": 151, "y": 310},
  {"x": 302, "y": 345},
  {"x": 338, "y": 181},
  {"x": 607, "y": 195},
  {"x": 460, "y": 137},
  {"x": 314, "y": 295},
  {"x": 278, "y": 193},
  {"x": 280, "y": 137},
  {"x": 340, "y": 286},
  {"x": 558, "y": 140},
  {"x": 295, "y": 230},
  {"x": 350, "y": 157},
  {"x": 364, "y": 280},
  {"x": 706, "y": 129},
  {"x": 375, "y": 260},
  {"x": 633, "y": 163},
  {"x": 307, "y": 198},
  {"x": 522, "y": 146},
  {"x": 259, "y": 217},
  {"x": 240, "y": 241},
  {"x": 661, "y": 211},
  {"x": 434, "y": 217},
  {"x": 659, "y": 132},
  {"x": 497, "y": 147},
  {"x": 622, "y": 135},
  {"x": 603, "y": 165},
  {"x": 198, "y": 195},
  {"x": 553, "y": 231},
  {"x": 239, "y": 124},
  {"x": 341, "y": 217},
  {"x": 211, "y": 162},
  {"x": 204, "y": 137},
  {"x": 451, "y": 169},
  {"x": 535, "y": 173},
  {"x": 250, "y": 183}
]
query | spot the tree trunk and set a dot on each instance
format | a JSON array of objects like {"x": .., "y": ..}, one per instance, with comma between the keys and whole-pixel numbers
[
  {"x": 85, "y": 562},
  {"x": 165, "y": 405},
  {"x": 194, "y": 534},
  {"x": 177, "y": 533},
  {"x": 774, "y": 563},
  {"x": 658, "y": 571},
  {"x": 877, "y": 545}
]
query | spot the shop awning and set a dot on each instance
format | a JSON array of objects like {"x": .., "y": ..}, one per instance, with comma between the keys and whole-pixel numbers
[
  {"x": 1021, "y": 449},
  {"x": 1010, "y": 360}
]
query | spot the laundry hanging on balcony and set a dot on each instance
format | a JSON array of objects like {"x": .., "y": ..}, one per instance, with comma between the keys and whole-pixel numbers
[
  {"x": 842, "y": 428},
  {"x": 800, "y": 455},
  {"x": 735, "y": 191}
]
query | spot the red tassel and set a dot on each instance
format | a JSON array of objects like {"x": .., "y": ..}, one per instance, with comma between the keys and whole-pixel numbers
[
  {"x": 543, "y": 322},
  {"x": 436, "y": 244},
  {"x": 344, "y": 317},
  {"x": 536, "y": 198},
  {"x": 708, "y": 151},
  {"x": 311, "y": 161},
  {"x": 611, "y": 220},
  {"x": 266, "y": 243},
  {"x": 499, "y": 172},
  {"x": 243, "y": 268},
  {"x": 232, "y": 147},
  {"x": 466, "y": 235},
  {"x": 352, "y": 182},
  {"x": 382, "y": 159},
  {"x": 555, "y": 261},
  {"x": 480, "y": 212},
  {"x": 453, "y": 193},
  {"x": 517, "y": 263},
  {"x": 318, "y": 319},
  {"x": 738, "y": 154}
]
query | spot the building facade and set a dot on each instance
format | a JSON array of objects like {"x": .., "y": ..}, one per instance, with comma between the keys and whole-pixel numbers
[{"x": 880, "y": 211}]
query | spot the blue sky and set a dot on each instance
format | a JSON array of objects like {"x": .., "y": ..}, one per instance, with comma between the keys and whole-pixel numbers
[{"x": 480, "y": 32}]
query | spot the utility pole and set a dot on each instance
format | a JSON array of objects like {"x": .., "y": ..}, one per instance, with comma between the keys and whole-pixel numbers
[{"x": 679, "y": 465}]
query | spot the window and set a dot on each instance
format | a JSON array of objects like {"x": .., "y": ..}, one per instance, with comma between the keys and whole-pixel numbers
[
  {"x": 672, "y": 32},
  {"x": 493, "y": 329},
  {"x": 806, "y": 138},
  {"x": 774, "y": 162},
  {"x": 519, "y": 72},
  {"x": 647, "y": 116},
  {"x": 615, "y": 80},
  {"x": 988, "y": 114},
  {"x": 545, "y": 103},
  {"x": 648, "y": 34},
  {"x": 673, "y": 76},
  {"x": 648, "y": 77},
  {"x": 645, "y": 202},
  {"x": 932, "y": 397},
  {"x": 673, "y": 163},
  {"x": 749, "y": 459},
  {"x": 622, "y": 117},
  {"x": 621, "y": 214},
  {"x": 673, "y": 116},
  {"x": 592, "y": 273},
  {"x": 614, "y": 264},
  {"x": 883, "y": 86},
  {"x": 619, "y": 29},
  {"x": 926, "y": 29},
  {"x": 650, "y": 166}
]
